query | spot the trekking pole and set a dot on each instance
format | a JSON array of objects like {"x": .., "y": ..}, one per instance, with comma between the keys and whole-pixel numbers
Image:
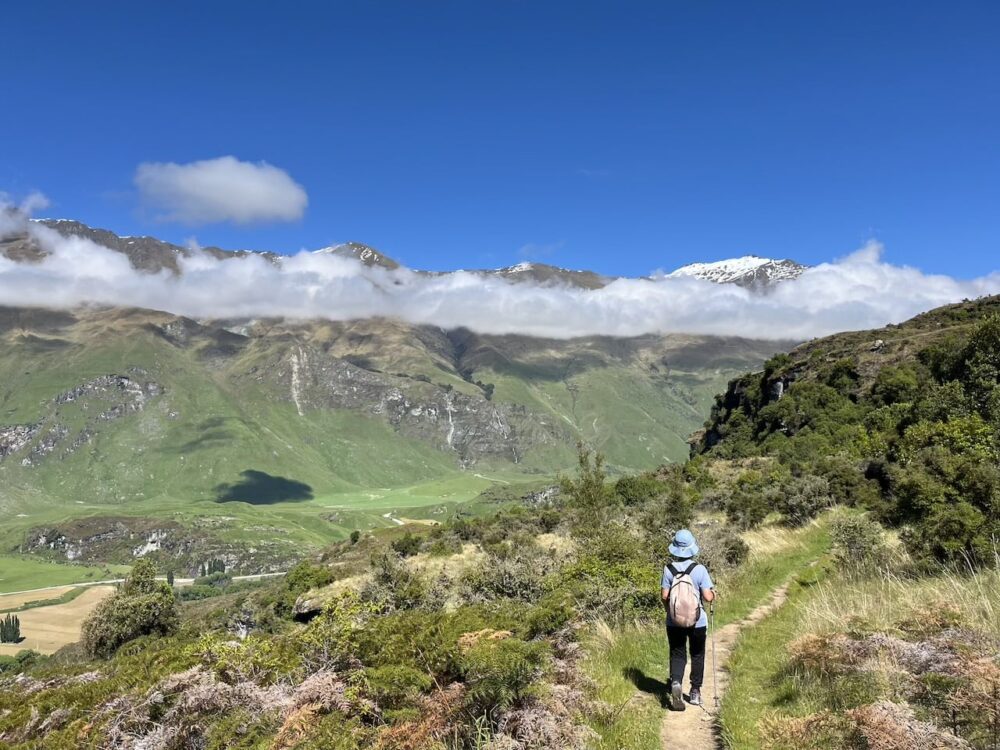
[{"x": 715, "y": 682}]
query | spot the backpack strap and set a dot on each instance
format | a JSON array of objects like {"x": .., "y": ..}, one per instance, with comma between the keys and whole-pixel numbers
[
  {"x": 686, "y": 572},
  {"x": 690, "y": 568}
]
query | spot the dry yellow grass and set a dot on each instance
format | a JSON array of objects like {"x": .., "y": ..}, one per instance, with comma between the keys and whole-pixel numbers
[
  {"x": 886, "y": 599},
  {"x": 13, "y": 601},
  {"x": 772, "y": 540},
  {"x": 47, "y": 629},
  {"x": 451, "y": 565},
  {"x": 563, "y": 544}
]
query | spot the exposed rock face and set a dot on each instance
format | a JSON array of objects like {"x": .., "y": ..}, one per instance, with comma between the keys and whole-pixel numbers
[
  {"x": 124, "y": 540},
  {"x": 103, "y": 399},
  {"x": 471, "y": 426},
  {"x": 542, "y": 273},
  {"x": 16, "y": 437},
  {"x": 358, "y": 251}
]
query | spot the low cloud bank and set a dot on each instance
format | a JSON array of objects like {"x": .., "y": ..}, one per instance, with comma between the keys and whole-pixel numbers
[
  {"x": 859, "y": 291},
  {"x": 220, "y": 190}
]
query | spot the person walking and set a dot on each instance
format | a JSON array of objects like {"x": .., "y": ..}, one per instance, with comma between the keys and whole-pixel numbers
[{"x": 685, "y": 586}]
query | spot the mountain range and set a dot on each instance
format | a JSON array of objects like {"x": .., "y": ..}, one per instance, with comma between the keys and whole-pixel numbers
[
  {"x": 152, "y": 255},
  {"x": 128, "y": 432}
]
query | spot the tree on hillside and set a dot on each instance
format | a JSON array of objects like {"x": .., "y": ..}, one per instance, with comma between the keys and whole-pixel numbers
[
  {"x": 141, "y": 606},
  {"x": 588, "y": 493},
  {"x": 10, "y": 629}
]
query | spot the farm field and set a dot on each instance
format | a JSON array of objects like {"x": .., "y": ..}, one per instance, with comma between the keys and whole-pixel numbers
[
  {"x": 47, "y": 629},
  {"x": 10, "y": 602},
  {"x": 18, "y": 573}
]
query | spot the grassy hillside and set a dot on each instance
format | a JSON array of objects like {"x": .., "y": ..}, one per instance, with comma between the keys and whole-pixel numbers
[
  {"x": 202, "y": 440},
  {"x": 892, "y": 642}
]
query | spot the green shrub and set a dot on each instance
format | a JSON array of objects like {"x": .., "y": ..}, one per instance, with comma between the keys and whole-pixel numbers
[
  {"x": 331, "y": 640},
  {"x": 498, "y": 673},
  {"x": 407, "y": 545},
  {"x": 859, "y": 544},
  {"x": 396, "y": 686},
  {"x": 302, "y": 578},
  {"x": 803, "y": 498},
  {"x": 548, "y": 617},
  {"x": 394, "y": 585},
  {"x": 748, "y": 509},
  {"x": 258, "y": 659},
  {"x": 591, "y": 499},
  {"x": 141, "y": 606},
  {"x": 509, "y": 572},
  {"x": 444, "y": 546},
  {"x": 635, "y": 489},
  {"x": 19, "y": 661}
]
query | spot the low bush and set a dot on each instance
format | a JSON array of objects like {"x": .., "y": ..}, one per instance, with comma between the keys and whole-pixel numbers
[
  {"x": 859, "y": 545},
  {"x": 803, "y": 498},
  {"x": 141, "y": 606},
  {"x": 407, "y": 545},
  {"x": 499, "y": 672}
]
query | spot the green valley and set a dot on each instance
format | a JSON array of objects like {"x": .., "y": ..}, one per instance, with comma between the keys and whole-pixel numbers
[{"x": 127, "y": 433}]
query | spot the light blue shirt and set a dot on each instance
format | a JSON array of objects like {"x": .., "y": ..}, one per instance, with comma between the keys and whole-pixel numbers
[{"x": 700, "y": 578}]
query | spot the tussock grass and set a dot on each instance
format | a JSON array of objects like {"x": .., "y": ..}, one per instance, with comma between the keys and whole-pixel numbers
[
  {"x": 771, "y": 540},
  {"x": 763, "y": 689},
  {"x": 888, "y": 598}
]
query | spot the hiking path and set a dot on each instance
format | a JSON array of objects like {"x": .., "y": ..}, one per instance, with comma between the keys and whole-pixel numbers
[{"x": 696, "y": 728}]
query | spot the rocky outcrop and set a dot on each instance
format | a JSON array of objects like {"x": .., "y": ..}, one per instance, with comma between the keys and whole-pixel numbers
[
  {"x": 16, "y": 437},
  {"x": 104, "y": 539},
  {"x": 471, "y": 426},
  {"x": 106, "y": 398}
]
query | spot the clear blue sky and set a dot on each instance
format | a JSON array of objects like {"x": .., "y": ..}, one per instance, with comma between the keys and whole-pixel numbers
[{"x": 617, "y": 136}]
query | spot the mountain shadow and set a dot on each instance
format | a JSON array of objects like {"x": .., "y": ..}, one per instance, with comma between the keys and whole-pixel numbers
[{"x": 261, "y": 488}]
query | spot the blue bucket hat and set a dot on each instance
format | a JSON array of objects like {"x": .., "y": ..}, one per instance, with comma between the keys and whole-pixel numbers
[{"x": 684, "y": 545}]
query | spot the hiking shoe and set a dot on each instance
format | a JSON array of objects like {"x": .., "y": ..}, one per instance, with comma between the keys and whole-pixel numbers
[
  {"x": 695, "y": 697},
  {"x": 676, "y": 697}
]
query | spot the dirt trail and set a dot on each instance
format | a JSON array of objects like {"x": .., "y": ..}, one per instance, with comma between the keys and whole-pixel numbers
[{"x": 695, "y": 729}]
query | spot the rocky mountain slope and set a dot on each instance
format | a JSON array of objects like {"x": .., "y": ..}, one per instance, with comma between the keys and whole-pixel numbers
[{"x": 112, "y": 413}]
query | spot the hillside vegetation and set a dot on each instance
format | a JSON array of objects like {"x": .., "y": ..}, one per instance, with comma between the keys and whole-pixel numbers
[
  {"x": 463, "y": 635},
  {"x": 539, "y": 625},
  {"x": 904, "y": 422},
  {"x": 128, "y": 433},
  {"x": 892, "y": 642}
]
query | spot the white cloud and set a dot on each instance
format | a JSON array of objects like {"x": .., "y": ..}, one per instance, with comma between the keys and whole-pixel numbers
[
  {"x": 858, "y": 291},
  {"x": 220, "y": 190},
  {"x": 28, "y": 205}
]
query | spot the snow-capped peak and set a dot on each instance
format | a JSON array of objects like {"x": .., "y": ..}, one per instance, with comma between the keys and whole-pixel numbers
[
  {"x": 750, "y": 270},
  {"x": 523, "y": 267}
]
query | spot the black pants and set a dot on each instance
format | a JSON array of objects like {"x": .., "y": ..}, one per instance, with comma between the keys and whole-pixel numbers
[{"x": 679, "y": 639}]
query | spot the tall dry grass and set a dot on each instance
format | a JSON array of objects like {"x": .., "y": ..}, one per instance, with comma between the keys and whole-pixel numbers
[{"x": 885, "y": 598}]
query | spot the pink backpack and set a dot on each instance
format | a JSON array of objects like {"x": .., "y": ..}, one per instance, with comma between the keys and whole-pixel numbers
[{"x": 684, "y": 601}]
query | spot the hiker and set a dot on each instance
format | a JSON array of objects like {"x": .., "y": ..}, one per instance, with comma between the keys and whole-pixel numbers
[{"x": 685, "y": 585}]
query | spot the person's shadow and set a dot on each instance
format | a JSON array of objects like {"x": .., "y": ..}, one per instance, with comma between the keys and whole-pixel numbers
[{"x": 650, "y": 685}]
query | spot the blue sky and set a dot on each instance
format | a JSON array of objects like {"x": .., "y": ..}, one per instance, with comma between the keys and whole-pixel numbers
[{"x": 622, "y": 137}]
